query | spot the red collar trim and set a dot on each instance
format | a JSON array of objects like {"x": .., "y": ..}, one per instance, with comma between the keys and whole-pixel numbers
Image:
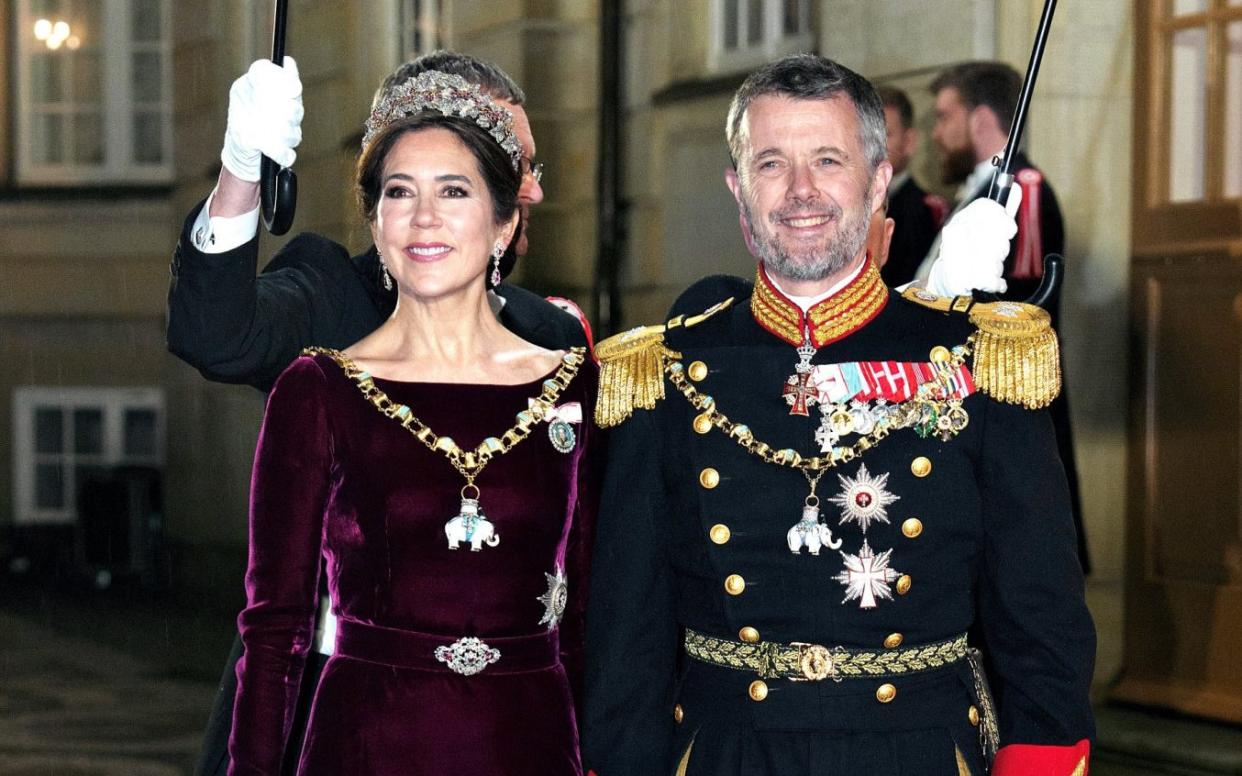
[{"x": 831, "y": 319}]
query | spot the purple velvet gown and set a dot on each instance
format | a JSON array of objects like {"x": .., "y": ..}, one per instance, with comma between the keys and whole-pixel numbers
[{"x": 334, "y": 478}]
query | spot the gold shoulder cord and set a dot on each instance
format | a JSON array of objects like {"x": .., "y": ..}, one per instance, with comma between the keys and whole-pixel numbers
[
  {"x": 468, "y": 464},
  {"x": 1016, "y": 355}
]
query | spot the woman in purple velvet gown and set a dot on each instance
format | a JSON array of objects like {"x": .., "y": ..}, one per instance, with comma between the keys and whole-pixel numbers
[{"x": 456, "y": 569}]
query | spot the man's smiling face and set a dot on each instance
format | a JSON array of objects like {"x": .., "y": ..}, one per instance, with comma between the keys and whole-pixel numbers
[{"x": 804, "y": 185}]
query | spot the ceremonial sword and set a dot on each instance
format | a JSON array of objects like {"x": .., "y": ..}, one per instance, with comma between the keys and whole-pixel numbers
[
  {"x": 278, "y": 189},
  {"x": 1002, "y": 179}
]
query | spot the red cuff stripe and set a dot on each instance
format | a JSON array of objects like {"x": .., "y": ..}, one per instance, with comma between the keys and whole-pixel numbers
[{"x": 1035, "y": 760}]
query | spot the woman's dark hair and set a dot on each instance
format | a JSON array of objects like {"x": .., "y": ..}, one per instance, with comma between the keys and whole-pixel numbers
[{"x": 495, "y": 165}]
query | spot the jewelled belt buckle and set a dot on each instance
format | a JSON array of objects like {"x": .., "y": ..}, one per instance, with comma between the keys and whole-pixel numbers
[
  {"x": 467, "y": 656},
  {"x": 816, "y": 663}
]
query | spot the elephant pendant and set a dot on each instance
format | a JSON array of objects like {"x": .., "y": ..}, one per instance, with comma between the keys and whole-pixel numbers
[
  {"x": 810, "y": 533},
  {"x": 470, "y": 526}
]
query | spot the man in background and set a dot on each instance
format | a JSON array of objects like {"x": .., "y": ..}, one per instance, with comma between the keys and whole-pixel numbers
[
  {"x": 975, "y": 106},
  {"x": 917, "y": 215}
]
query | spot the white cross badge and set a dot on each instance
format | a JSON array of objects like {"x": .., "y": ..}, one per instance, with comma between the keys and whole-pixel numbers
[{"x": 866, "y": 577}]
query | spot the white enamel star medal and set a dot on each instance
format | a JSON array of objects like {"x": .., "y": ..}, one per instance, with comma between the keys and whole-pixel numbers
[
  {"x": 554, "y": 599},
  {"x": 863, "y": 498},
  {"x": 866, "y": 577}
]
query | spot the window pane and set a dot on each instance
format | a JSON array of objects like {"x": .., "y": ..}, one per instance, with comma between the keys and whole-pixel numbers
[
  {"x": 88, "y": 432},
  {"x": 140, "y": 433},
  {"x": 87, "y": 24},
  {"x": 86, "y": 68},
  {"x": 88, "y": 142},
  {"x": 793, "y": 17},
  {"x": 1233, "y": 110},
  {"x": 49, "y": 142},
  {"x": 46, "y": 81},
  {"x": 49, "y": 430},
  {"x": 148, "y": 138},
  {"x": 147, "y": 76},
  {"x": 1187, "y": 115},
  {"x": 146, "y": 20},
  {"x": 754, "y": 22},
  {"x": 731, "y": 23},
  {"x": 1182, "y": 7},
  {"x": 49, "y": 486}
]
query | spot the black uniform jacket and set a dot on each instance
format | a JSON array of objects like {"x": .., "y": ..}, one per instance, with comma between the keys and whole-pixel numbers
[
  {"x": 1043, "y": 211},
  {"x": 995, "y": 553},
  {"x": 914, "y": 230},
  {"x": 236, "y": 328}
]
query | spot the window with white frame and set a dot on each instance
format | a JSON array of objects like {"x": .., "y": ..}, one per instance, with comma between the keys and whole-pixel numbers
[
  {"x": 94, "y": 92},
  {"x": 423, "y": 25},
  {"x": 62, "y": 434},
  {"x": 746, "y": 33}
]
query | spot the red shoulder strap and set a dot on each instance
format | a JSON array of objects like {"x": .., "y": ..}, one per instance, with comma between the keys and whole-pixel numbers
[{"x": 939, "y": 207}]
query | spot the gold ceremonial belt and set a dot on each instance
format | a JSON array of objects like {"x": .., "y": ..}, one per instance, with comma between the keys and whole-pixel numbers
[{"x": 802, "y": 662}]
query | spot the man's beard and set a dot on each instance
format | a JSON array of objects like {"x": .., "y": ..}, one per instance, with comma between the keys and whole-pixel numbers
[
  {"x": 810, "y": 262},
  {"x": 958, "y": 164}
]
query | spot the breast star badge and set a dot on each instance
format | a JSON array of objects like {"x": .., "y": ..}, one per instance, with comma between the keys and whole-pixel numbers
[
  {"x": 864, "y": 498},
  {"x": 554, "y": 599}
]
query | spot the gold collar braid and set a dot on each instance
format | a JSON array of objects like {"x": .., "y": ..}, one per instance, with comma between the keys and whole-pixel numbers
[{"x": 834, "y": 318}]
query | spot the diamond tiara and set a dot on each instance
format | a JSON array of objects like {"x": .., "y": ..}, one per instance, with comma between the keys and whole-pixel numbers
[{"x": 450, "y": 95}]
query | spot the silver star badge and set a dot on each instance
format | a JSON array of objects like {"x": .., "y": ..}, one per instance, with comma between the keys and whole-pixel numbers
[
  {"x": 554, "y": 599},
  {"x": 864, "y": 498}
]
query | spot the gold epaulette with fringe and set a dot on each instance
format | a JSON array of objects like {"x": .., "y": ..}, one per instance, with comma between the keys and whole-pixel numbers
[
  {"x": 1016, "y": 356},
  {"x": 631, "y": 367}
]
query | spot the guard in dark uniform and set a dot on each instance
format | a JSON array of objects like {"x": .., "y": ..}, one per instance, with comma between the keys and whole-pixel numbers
[
  {"x": 917, "y": 215},
  {"x": 811, "y": 504},
  {"x": 975, "y": 105}
]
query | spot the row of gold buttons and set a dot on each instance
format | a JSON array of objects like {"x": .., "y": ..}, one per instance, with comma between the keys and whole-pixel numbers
[{"x": 885, "y": 693}]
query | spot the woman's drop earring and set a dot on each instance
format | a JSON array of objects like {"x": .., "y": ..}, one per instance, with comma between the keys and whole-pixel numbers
[
  {"x": 384, "y": 271},
  {"x": 497, "y": 251}
]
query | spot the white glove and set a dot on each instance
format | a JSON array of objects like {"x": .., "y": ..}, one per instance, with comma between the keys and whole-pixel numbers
[
  {"x": 974, "y": 246},
  {"x": 265, "y": 118}
]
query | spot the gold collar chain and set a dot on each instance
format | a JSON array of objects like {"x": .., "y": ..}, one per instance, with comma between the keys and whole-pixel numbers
[
  {"x": 909, "y": 414},
  {"x": 469, "y": 464}
]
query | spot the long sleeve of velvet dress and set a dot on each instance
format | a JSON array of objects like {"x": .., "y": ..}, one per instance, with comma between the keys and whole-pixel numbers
[{"x": 447, "y": 660}]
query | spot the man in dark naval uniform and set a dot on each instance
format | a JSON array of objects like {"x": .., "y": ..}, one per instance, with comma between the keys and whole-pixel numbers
[
  {"x": 819, "y": 487},
  {"x": 236, "y": 327},
  {"x": 915, "y": 219},
  {"x": 975, "y": 105}
]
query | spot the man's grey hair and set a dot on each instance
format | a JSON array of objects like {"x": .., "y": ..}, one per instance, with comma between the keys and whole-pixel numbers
[
  {"x": 490, "y": 78},
  {"x": 811, "y": 77}
]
